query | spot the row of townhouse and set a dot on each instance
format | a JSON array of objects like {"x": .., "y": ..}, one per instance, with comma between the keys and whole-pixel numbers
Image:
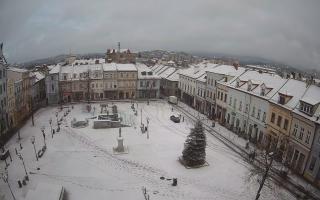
[
  {"x": 20, "y": 92},
  {"x": 268, "y": 110},
  {"x": 276, "y": 113},
  {"x": 100, "y": 81}
]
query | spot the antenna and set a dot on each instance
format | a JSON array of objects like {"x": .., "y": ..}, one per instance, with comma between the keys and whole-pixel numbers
[{"x": 119, "y": 47}]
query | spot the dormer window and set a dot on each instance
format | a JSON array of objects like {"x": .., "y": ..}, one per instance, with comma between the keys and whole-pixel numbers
[
  {"x": 143, "y": 73},
  {"x": 249, "y": 85},
  {"x": 263, "y": 90},
  {"x": 149, "y": 73},
  {"x": 306, "y": 108},
  {"x": 282, "y": 100},
  {"x": 237, "y": 83}
]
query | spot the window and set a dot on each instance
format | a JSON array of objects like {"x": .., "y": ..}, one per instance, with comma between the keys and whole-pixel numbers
[
  {"x": 253, "y": 111},
  {"x": 264, "y": 117},
  {"x": 225, "y": 98},
  {"x": 240, "y": 106},
  {"x": 308, "y": 137},
  {"x": 301, "y": 133},
  {"x": 219, "y": 94},
  {"x": 279, "y": 121},
  {"x": 234, "y": 103},
  {"x": 285, "y": 125},
  {"x": 230, "y": 101},
  {"x": 295, "y": 130},
  {"x": 258, "y": 115},
  {"x": 282, "y": 100},
  {"x": 141, "y": 84},
  {"x": 312, "y": 163},
  {"x": 306, "y": 108},
  {"x": 74, "y": 75},
  {"x": 247, "y": 108},
  {"x": 273, "y": 116}
]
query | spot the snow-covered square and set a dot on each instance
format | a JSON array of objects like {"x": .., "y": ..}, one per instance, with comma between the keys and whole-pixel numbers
[{"x": 83, "y": 161}]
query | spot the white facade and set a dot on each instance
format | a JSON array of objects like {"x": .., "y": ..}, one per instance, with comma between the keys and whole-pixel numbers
[{"x": 52, "y": 85}]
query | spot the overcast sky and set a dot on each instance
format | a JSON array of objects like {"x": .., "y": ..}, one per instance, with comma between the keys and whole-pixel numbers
[{"x": 286, "y": 31}]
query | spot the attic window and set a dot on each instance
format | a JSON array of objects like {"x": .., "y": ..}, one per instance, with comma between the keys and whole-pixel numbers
[
  {"x": 238, "y": 83},
  {"x": 149, "y": 73},
  {"x": 306, "y": 108},
  {"x": 249, "y": 86},
  {"x": 263, "y": 91},
  {"x": 282, "y": 100},
  {"x": 143, "y": 73}
]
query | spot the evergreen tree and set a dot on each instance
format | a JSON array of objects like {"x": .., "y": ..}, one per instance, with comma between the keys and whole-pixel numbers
[{"x": 194, "y": 152}]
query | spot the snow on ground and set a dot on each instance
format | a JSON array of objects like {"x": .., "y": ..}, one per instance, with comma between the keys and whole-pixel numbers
[{"x": 83, "y": 162}]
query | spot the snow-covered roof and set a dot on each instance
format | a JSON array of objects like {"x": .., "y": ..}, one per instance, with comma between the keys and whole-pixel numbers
[
  {"x": 109, "y": 67},
  {"x": 38, "y": 76},
  {"x": 168, "y": 71},
  {"x": 45, "y": 191},
  {"x": 126, "y": 67},
  {"x": 196, "y": 71},
  {"x": 174, "y": 76},
  {"x": 15, "y": 69},
  {"x": 312, "y": 95},
  {"x": 144, "y": 72},
  {"x": 293, "y": 88},
  {"x": 55, "y": 69},
  {"x": 271, "y": 82},
  {"x": 226, "y": 70}
]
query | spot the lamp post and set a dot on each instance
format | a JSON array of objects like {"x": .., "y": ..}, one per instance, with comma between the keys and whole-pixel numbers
[
  {"x": 33, "y": 140},
  {"x": 148, "y": 127},
  {"x": 6, "y": 180},
  {"x": 50, "y": 122},
  {"x": 24, "y": 166},
  {"x": 57, "y": 117},
  {"x": 44, "y": 135}
]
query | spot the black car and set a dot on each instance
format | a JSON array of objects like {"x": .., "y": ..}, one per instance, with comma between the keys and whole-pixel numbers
[{"x": 175, "y": 119}]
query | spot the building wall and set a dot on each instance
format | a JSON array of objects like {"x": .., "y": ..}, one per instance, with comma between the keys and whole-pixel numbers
[
  {"x": 301, "y": 137},
  {"x": 11, "y": 103},
  {"x": 52, "y": 88},
  {"x": 278, "y": 135},
  {"x": 3, "y": 98},
  {"x": 126, "y": 81},
  {"x": 312, "y": 170}
]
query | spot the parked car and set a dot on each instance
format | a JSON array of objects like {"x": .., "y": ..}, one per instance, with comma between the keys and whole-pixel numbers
[{"x": 175, "y": 119}]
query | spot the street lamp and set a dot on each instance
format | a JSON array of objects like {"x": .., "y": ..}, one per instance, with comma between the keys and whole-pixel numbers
[
  {"x": 24, "y": 166},
  {"x": 6, "y": 180},
  {"x": 50, "y": 122},
  {"x": 33, "y": 140},
  {"x": 148, "y": 127},
  {"x": 44, "y": 135},
  {"x": 57, "y": 117}
]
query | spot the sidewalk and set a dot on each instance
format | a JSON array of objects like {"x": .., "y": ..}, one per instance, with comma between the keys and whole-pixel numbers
[{"x": 240, "y": 143}]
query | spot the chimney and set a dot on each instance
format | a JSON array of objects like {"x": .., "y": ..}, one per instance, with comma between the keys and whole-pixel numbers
[
  {"x": 236, "y": 65},
  {"x": 119, "y": 47},
  {"x": 293, "y": 75}
]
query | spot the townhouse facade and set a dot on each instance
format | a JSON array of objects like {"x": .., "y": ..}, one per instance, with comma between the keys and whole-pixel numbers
[
  {"x": 52, "y": 85},
  {"x": 3, "y": 93},
  {"x": 148, "y": 84},
  {"x": 23, "y": 91}
]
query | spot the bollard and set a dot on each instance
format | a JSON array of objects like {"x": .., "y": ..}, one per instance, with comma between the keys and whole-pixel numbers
[
  {"x": 20, "y": 184},
  {"x": 174, "y": 182}
]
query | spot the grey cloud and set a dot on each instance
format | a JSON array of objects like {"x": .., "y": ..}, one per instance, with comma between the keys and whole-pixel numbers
[{"x": 285, "y": 31}]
